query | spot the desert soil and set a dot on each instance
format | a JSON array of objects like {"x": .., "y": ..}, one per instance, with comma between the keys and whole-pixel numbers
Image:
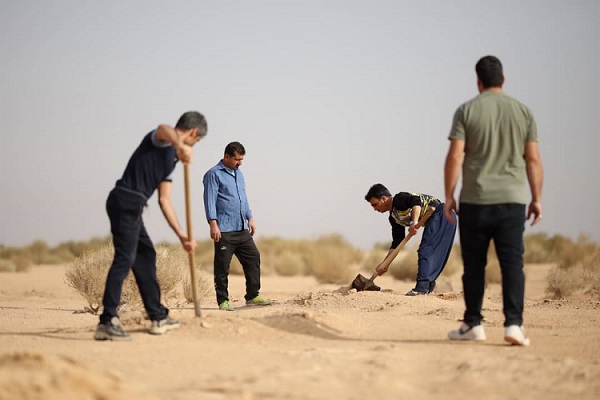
[{"x": 313, "y": 343}]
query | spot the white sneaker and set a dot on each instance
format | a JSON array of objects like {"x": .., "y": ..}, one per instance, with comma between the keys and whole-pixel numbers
[
  {"x": 515, "y": 334},
  {"x": 466, "y": 332}
]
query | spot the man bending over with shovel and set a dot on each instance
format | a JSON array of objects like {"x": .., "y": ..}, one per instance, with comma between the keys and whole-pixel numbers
[
  {"x": 405, "y": 210},
  {"x": 149, "y": 169}
]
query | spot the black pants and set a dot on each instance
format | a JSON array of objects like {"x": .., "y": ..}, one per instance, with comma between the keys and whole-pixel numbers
[
  {"x": 242, "y": 245},
  {"x": 505, "y": 224},
  {"x": 133, "y": 251}
]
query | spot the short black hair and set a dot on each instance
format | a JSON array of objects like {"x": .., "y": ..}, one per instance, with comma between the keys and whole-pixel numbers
[
  {"x": 191, "y": 120},
  {"x": 235, "y": 147},
  {"x": 489, "y": 72},
  {"x": 377, "y": 191}
]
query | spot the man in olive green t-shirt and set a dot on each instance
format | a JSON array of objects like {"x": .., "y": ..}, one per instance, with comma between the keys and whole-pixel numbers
[{"x": 494, "y": 139}]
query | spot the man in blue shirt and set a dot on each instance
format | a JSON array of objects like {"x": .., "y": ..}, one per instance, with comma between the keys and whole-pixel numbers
[
  {"x": 149, "y": 168},
  {"x": 232, "y": 226}
]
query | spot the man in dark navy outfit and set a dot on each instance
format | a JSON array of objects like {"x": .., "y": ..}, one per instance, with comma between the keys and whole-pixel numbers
[{"x": 149, "y": 168}]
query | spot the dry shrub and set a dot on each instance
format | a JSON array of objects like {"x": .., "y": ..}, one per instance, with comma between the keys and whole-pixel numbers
[
  {"x": 204, "y": 288},
  {"x": 537, "y": 249},
  {"x": 374, "y": 257},
  {"x": 7, "y": 265},
  {"x": 38, "y": 251},
  {"x": 286, "y": 257},
  {"x": 330, "y": 258},
  {"x": 577, "y": 269},
  {"x": 286, "y": 263},
  {"x": 333, "y": 260},
  {"x": 87, "y": 274},
  {"x": 582, "y": 278},
  {"x": 571, "y": 253},
  {"x": 22, "y": 261},
  {"x": 204, "y": 254},
  {"x": 455, "y": 262},
  {"x": 405, "y": 265},
  {"x": 20, "y": 258}
]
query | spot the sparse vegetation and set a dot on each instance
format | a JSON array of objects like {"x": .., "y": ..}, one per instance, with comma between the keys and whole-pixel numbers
[
  {"x": 582, "y": 278},
  {"x": 7, "y": 266},
  {"x": 38, "y": 252},
  {"x": 333, "y": 260},
  {"x": 87, "y": 274},
  {"x": 330, "y": 259}
]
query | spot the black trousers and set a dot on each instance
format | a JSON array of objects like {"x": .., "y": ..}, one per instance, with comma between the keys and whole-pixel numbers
[
  {"x": 505, "y": 224},
  {"x": 133, "y": 251},
  {"x": 242, "y": 245}
]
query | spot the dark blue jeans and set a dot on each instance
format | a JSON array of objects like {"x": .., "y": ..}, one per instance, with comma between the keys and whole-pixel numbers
[
  {"x": 505, "y": 224},
  {"x": 242, "y": 245},
  {"x": 133, "y": 251},
  {"x": 434, "y": 250}
]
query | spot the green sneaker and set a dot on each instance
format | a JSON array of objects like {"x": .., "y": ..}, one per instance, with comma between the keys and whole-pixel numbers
[
  {"x": 258, "y": 301},
  {"x": 225, "y": 306}
]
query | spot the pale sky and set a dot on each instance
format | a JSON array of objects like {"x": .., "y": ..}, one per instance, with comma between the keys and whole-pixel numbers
[{"x": 328, "y": 97}]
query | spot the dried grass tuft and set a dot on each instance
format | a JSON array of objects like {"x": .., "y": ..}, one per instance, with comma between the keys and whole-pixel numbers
[{"x": 87, "y": 274}]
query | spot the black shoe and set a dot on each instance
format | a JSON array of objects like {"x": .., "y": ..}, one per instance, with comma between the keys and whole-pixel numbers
[
  {"x": 414, "y": 292},
  {"x": 161, "y": 327},
  {"x": 111, "y": 330},
  {"x": 431, "y": 286}
]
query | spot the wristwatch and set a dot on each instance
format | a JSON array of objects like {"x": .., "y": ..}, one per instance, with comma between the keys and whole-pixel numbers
[{"x": 413, "y": 223}]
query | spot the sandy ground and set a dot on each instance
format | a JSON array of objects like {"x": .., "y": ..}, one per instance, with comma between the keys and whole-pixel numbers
[{"x": 313, "y": 343}]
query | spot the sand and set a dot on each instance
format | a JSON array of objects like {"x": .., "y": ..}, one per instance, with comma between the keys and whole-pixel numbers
[{"x": 313, "y": 343}]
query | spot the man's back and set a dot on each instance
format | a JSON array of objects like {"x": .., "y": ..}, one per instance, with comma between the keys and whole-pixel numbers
[{"x": 495, "y": 128}]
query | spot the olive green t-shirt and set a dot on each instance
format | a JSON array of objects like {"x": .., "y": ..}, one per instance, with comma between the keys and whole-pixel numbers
[{"x": 495, "y": 128}]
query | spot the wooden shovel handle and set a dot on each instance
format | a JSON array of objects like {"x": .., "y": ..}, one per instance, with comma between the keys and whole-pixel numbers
[
  {"x": 191, "y": 255},
  {"x": 391, "y": 256}
]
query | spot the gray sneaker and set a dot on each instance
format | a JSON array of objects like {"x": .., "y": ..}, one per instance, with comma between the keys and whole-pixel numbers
[
  {"x": 161, "y": 327},
  {"x": 111, "y": 330}
]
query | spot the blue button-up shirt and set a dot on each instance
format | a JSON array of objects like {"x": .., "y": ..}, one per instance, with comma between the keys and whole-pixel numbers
[{"x": 225, "y": 198}]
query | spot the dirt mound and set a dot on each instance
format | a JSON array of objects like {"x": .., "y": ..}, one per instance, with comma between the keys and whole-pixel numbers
[{"x": 33, "y": 376}]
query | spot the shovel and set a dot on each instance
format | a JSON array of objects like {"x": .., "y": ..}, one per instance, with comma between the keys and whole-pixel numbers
[
  {"x": 191, "y": 256},
  {"x": 360, "y": 283}
]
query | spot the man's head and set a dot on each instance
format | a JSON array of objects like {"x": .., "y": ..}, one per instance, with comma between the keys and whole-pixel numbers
[
  {"x": 234, "y": 155},
  {"x": 193, "y": 125},
  {"x": 380, "y": 198},
  {"x": 489, "y": 73}
]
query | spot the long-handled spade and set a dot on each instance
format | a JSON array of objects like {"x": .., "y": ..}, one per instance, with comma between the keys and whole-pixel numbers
[
  {"x": 361, "y": 283},
  {"x": 192, "y": 258}
]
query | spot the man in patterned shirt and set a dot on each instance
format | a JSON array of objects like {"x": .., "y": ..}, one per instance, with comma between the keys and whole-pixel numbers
[{"x": 405, "y": 210}]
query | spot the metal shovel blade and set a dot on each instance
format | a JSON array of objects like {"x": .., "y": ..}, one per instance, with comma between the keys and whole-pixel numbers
[{"x": 361, "y": 283}]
